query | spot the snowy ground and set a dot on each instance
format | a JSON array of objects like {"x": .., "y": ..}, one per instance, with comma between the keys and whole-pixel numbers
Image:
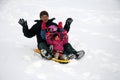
[{"x": 95, "y": 29}]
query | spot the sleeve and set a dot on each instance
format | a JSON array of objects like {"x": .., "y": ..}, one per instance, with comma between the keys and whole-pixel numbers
[
  {"x": 30, "y": 32},
  {"x": 65, "y": 38},
  {"x": 67, "y": 27}
]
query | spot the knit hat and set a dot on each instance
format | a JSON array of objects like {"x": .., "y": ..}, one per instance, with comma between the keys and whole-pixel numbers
[
  {"x": 43, "y": 13},
  {"x": 53, "y": 27}
]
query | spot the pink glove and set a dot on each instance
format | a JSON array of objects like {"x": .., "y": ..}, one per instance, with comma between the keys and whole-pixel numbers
[
  {"x": 48, "y": 34},
  {"x": 60, "y": 25},
  {"x": 43, "y": 26},
  {"x": 64, "y": 32}
]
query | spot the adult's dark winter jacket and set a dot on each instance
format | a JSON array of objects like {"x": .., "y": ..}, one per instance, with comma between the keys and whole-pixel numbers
[{"x": 35, "y": 30}]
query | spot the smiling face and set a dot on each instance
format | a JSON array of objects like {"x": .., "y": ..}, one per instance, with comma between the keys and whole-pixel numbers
[
  {"x": 44, "y": 18},
  {"x": 57, "y": 37}
]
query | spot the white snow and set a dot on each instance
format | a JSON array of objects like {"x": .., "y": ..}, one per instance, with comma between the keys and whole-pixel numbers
[{"x": 95, "y": 29}]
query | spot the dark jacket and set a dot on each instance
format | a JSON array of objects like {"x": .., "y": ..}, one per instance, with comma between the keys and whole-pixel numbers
[{"x": 35, "y": 30}]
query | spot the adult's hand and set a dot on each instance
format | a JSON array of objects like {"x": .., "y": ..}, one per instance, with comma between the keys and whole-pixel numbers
[
  {"x": 69, "y": 21},
  {"x": 22, "y": 22}
]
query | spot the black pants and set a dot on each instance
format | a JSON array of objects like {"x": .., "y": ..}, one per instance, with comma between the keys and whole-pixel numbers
[
  {"x": 68, "y": 49},
  {"x": 44, "y": 45}
]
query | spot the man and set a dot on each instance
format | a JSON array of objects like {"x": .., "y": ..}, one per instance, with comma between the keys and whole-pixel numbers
[{"x": 35, "y": 30}]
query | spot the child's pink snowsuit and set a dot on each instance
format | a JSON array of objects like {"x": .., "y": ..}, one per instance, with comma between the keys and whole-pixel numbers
[{"x": 58, "y": 45}]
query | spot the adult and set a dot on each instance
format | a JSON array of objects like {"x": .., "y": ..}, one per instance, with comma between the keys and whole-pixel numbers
[{"x": 35, "y": 30}]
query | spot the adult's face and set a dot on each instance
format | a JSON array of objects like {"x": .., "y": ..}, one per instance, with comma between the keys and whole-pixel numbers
[{"x": 44, "y": 18}]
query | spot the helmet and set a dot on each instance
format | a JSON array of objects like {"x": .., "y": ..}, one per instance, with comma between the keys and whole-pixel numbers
[{"x": 52, "y": 28}]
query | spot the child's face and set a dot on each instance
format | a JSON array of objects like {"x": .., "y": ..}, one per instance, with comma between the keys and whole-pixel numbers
[
  {"x": 51, "y": 30},
  {"x": 57, "y": 38}
]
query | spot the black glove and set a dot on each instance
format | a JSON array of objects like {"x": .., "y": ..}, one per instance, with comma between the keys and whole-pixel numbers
[
  {"x": 69, "y": 21},
  {"x": 23, "y": 23}
]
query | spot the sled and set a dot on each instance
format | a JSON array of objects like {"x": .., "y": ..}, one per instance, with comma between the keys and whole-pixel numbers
[
  {"x": 61, "y": 61},
  {"x": 37, "y": 51},
  {"x": 54, "y": 59}
]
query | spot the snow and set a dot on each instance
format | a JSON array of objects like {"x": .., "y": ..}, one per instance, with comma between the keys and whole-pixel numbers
[{"x": 95, "y": 29}]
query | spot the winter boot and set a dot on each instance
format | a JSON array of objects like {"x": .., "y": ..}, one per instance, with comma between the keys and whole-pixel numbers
[
  {"x": 80, "y": 54},
  {"x": 51, "y": 48},
  {"x": 64, "y": 57},
  {"x": 56, "y": 56},
  {"x": 49, "y": 57},
  {"x": 71, "y": 56},
  {"x": 45, "y": 54}
]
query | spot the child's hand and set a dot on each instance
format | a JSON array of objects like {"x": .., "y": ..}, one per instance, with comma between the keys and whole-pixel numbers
[
  {"x": 60, "y": 25},
  {"x": 64, "y": 32},
  {"x": 48, "y": 34}
]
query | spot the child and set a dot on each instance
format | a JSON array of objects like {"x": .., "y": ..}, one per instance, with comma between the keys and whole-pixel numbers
[{"x": 57, "y": 40}]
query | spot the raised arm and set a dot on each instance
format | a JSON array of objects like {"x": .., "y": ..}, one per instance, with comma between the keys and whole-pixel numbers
[
  {"x": 67, "y": 24},
  {"x": 27, "y": 32}
]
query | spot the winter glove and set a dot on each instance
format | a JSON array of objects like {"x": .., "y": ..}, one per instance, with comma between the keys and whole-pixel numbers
[
  {"x": 23, "y": 23},
  {"x": 43, "y": 26},
  {"x": 69, "y": 21},
  {"x": 47, "y": 34},
  {"x": 60, "y": 25},
  {"x": 64, "y": 32}
]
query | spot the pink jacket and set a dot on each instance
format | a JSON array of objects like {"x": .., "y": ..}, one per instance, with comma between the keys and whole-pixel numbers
[{"x": 58, "y": 44}]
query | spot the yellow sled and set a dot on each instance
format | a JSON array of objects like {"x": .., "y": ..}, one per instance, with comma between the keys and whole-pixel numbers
[
  {"x": 60, "y": 61},
  {"x": 54, "y": 59},
  {"x": 37, "y": 51}
]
